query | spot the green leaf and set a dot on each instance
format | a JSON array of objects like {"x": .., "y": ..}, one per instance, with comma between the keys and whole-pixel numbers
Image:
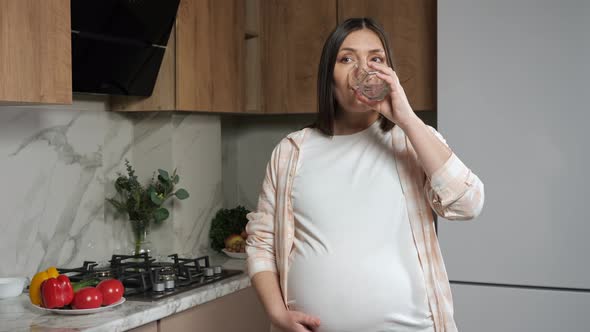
[
  {"x": 136, "y": 199},
  {"x": 122, "y": 183},
  {"x": 168, "y": 186},
  {"x": 161, "y": 214},
  {"x": 154, "y": 198},
  {"x": 118, "y": 205},
  {"x": 164, "y": 174},
  {"x": 84, "y": 283},
  {"x": 181, "y": 194},
  {"x": 176, "y": 179},
  {"x": 164, "y": 182}
]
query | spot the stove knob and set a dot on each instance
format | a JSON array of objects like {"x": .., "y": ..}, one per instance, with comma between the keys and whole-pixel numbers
[
  {"x": 208, "y": 271},
  {"x": 159, "y": 287},
  {"x": 169, "y": 284},
  {"x": 217, "y": 269}
]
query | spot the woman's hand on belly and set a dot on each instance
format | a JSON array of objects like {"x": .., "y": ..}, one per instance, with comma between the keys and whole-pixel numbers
[{"x": 297, "y": 321}]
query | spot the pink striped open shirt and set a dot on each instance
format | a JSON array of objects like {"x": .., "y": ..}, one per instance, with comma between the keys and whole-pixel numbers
[{"x": 453, "y": 192}]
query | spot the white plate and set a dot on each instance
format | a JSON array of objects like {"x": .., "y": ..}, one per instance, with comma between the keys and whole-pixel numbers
[
  {"x": 240, "y": 255},
  {"x": 81, "y": 311}
]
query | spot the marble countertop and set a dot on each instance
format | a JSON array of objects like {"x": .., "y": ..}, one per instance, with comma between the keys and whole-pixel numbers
[{"x": 17, "y": 314}]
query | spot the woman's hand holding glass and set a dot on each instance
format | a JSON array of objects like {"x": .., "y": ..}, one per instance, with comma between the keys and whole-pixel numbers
[{"x": 393, "y": 102}]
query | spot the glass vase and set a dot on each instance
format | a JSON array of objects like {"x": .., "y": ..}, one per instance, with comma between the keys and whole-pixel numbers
[{"x": 141, "y": 237}]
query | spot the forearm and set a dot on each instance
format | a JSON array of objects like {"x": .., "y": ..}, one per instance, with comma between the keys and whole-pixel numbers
[
  {"x": 431, "y": 152},
  {"x": 267, "y": 287}
]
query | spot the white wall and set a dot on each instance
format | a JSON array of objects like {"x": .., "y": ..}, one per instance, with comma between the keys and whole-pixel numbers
[{"x": 512, "y": 101}]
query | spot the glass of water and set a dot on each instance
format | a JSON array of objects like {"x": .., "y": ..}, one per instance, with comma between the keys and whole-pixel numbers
[{"x": 367, "y": 83}]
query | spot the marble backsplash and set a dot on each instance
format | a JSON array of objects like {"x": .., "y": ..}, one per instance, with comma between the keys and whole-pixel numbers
[{"x": 58, "y": 163}]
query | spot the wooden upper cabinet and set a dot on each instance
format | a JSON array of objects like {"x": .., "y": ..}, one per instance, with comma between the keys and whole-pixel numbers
[
  {"x": 35, "y": 52},
  {"x": 411, "y": 28},
  {"x": 210, "y": 49},
  {"x": 262, "y": 56},
  {"x": 292, "y": 37},
  {"x": 203, "y": 67}
]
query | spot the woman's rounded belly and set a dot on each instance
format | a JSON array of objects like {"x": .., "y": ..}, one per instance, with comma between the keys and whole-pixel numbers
[{"x": 357, "y": 292}]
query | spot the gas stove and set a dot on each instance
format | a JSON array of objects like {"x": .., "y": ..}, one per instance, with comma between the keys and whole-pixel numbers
[{"x": 147, "y": 279}]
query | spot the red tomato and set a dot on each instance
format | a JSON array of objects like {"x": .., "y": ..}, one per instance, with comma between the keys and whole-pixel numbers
[
  {"x": 87, "y": 298},
  {"x": 112, "y": 291}
]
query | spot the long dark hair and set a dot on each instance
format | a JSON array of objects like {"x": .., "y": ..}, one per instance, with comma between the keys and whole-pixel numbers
[{"x": 327, "y": 105}]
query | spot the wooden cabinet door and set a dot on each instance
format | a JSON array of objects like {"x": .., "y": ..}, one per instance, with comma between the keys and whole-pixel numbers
[
  {"x": 149, "y": 327},
  {"x": 209, "y": 55},
  {"x": 292, "y": 37},
  {"x": 35, "y": 52},
  {"x": 203, "y": 68},
  {"x": 411, "y": 28},
  {"x": 240, "y": 311}
]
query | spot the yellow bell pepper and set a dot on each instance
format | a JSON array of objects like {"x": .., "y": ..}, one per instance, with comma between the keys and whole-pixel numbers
[
  {"x": 52, "y": 272},
  {"x": 35, "y": 286}
]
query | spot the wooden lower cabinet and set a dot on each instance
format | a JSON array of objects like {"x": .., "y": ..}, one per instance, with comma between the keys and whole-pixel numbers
[
  {"x": 149, "y": 327},
  {"x": 240, "y": 311}
]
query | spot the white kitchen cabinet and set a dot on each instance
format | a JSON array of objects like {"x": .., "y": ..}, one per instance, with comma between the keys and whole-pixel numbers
[
  {"x": 513, "y": 103},
  {"x": 239, "y": 311},
  {"x": 493, "y": 309}
]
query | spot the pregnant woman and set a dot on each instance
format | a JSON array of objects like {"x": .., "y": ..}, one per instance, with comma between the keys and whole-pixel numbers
[{"x": 343, "y": 237}]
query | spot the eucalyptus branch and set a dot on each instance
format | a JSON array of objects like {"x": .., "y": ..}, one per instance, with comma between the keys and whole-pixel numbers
[{"x": 145, "y": 203}]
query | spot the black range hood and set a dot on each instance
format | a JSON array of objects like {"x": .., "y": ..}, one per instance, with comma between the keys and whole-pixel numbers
[{"x": 118, "y": 45}]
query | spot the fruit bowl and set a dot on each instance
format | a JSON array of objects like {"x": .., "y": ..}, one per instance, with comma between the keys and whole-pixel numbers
[{"x": 239, "y": 255}]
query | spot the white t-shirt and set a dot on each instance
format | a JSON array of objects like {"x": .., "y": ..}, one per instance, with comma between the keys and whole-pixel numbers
[{"x": 355, "y": 265}]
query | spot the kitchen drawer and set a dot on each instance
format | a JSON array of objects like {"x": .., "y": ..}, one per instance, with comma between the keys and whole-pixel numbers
[
  {"x": 492, "y": 309},
  {"x": 239, "y": 311}
]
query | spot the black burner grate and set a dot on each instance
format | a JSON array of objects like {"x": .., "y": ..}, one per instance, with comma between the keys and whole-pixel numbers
[{"x": 138, "y": 273}]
